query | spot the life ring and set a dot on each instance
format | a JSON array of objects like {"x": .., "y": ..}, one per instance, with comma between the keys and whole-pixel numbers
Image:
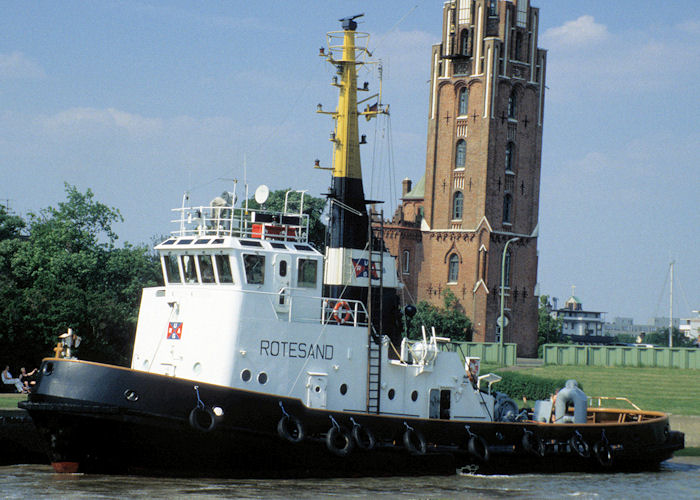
[
  {"x": 603, "y": 453},
  {"x": 478, "y": 448},
  {"x": 533, "y": 444},
  {"x": 364, "y": 439},
  {"x": 338, "y": 315},
  {"x": 202, "y": 418},
  {"x": 579, "y": 445},
  {"x": 339, "y": 441},
  {"x": 290, "y": 428},
  {"x": 414, "y": 441}
]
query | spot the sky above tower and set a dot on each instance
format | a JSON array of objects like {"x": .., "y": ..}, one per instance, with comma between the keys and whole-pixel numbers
[{"x": 142, "y": 100}]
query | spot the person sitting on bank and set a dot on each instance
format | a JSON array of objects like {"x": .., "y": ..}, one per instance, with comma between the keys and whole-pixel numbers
[
  {"x": 8, "y": 379},
  {"x": 27, "y": 379}
]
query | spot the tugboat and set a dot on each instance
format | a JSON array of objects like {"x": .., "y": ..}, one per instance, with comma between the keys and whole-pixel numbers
[{"x": 262, "y": 357}]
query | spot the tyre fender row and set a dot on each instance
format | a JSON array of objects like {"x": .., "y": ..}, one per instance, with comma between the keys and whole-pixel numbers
[{"x": 601, "y": 450}]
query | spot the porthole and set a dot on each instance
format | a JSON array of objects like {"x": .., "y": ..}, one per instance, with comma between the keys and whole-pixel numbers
[
  {"x": 392, "y": 393},
  {"x": 245, "y": 375},
  {"x": 414, "y": 395},
  {"x": 48, "y": 368},
  {"x": 197, "y": 368},
  {"x": 344, "y": 389},
  {"x": 262, "y": 377},
  {"x": 317, "y": 388},
  {"x": 131, "y": 395}
]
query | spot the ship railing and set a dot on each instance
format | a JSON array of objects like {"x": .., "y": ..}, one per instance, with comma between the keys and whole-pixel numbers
[
  {"x": 343, "y": 312},
  {"x": 221, "y": 221},
  {"x": 597, "y": 401}
]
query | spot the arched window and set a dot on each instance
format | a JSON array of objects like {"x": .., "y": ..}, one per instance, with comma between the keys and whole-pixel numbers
[
  {"x": 463, "y": 101},
  {"x": 465, "y": 42},
  {"x": 493, "y": 7},
  {"x": 461, "y": 153},
  {"x": 506, "y": 270},
  {"x": 453, "y": 269},
  {"x": 512, "y": 105},
  {"x": 510, "y": 152},
  {"x": 457, "y": 205},
  {"x": 507, "y": 208}
]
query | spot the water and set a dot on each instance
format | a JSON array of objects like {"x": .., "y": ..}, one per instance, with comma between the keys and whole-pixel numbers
[{"x": 678, "y": 479}]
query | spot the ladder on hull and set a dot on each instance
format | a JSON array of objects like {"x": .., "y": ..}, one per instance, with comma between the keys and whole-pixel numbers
[{"x": 374, "y": 304}]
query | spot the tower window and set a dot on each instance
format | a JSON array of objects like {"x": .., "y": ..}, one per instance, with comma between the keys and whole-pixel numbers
[
  {"x": 406, "y": 261},
  {"x": 464, "y": 43},
  {"x": 493, "y": 7},
  {"x": 457, "y": 205},
  {"x": 461, "y": 153},
  {"x": 510, "y": 152},
  {"x": 463, "y": 101},
  {"x": 507, "y": 208},
  {"x": 512, "y": 105},
  {"x": 453, "y": 269}
]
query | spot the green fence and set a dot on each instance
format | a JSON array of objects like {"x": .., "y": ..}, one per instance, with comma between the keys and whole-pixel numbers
[
  {"x": 487, "y": 351},
  {"x": 602, "y": 355}
]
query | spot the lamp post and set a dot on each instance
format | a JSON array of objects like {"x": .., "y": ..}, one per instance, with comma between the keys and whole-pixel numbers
[{"x": 501, "y": 318}]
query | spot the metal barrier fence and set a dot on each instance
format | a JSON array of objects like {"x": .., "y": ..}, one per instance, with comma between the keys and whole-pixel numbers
[
  {"x": 487, "y": 351},
  {"x": 599, "y": 355}
]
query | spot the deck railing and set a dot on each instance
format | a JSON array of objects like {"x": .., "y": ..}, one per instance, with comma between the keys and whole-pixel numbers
[{"x": 221, "y": 221}]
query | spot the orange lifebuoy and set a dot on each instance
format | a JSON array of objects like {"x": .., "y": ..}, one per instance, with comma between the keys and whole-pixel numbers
[{"x": 338, "y": 315}]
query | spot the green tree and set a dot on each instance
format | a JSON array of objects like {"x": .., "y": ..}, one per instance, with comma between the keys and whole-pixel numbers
[
  {"x": 449, "y": 320},
  {"x": 549, "y": 329},
  {"x": 660, "y": 338},
  {"x": 313, "y": 207},
  {"x": 68, "y": 272}
]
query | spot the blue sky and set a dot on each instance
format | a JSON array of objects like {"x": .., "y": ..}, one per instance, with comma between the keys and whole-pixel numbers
[{"x": 140, "y": 101}]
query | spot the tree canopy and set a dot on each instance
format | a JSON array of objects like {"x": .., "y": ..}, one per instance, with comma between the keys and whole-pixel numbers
[
  {"x": 549, "y": 329},
  {"x": 61, "y": 268},
  {"x": 449, "y": 320}
]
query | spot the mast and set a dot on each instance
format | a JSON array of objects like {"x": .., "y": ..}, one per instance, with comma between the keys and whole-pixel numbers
[
  {"x": 670, "y": 319},
  {"x": 349, "y": 220}
]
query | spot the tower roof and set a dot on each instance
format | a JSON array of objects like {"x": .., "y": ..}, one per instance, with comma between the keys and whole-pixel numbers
[{"x": 418, "y": 191}]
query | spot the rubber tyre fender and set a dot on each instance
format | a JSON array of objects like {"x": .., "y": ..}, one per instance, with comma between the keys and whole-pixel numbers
[
  {"x": 414, "y": 442},
  {"x": 580, "y": 446},
  {"x": 339, "y": 441},
  {"x": 202, "y": 419},
  {"x": 603, "y": 453},
  {"x": 533, "y": 444},
  {"x": 364, "y": 438},
  {"x": 478, "y": 448},
  {"x": 291, "y": 429}
]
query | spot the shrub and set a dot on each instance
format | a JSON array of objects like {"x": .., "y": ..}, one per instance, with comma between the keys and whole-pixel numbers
[{"x": 517, "y": 385}]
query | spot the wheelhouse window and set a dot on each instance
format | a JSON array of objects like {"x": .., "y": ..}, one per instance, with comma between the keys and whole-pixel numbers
[
  {"x": 463, "y": 101},
  {"x": 457, "y": 206},
  {"x": 453, "y": 269},
  {"x": 189, "y": 269},
  {"x": 254, "y": 266},
  {"x": 306, "y": 273},
  {"x": 206, "y": 268},
  {"x": 172, "y": 270},
  {"x": 461, "y": 153},
  {"x": 223, "y": 268}
]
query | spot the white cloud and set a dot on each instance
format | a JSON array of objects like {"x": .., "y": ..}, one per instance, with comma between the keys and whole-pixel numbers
[
  {"x": 86, "y": 119},
  {"x": 583, "y": 31},
  {"x": 17, "y": 65}
]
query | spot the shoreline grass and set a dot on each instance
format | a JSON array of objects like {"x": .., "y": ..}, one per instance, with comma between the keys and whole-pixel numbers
[{"x": 663, "y": 389}]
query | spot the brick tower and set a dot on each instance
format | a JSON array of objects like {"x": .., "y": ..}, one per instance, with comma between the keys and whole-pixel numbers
[{"x": 481, "y": 184}]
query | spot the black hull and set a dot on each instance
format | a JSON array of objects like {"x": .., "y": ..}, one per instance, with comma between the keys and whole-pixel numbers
[{"x": 114, "y": 420}]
